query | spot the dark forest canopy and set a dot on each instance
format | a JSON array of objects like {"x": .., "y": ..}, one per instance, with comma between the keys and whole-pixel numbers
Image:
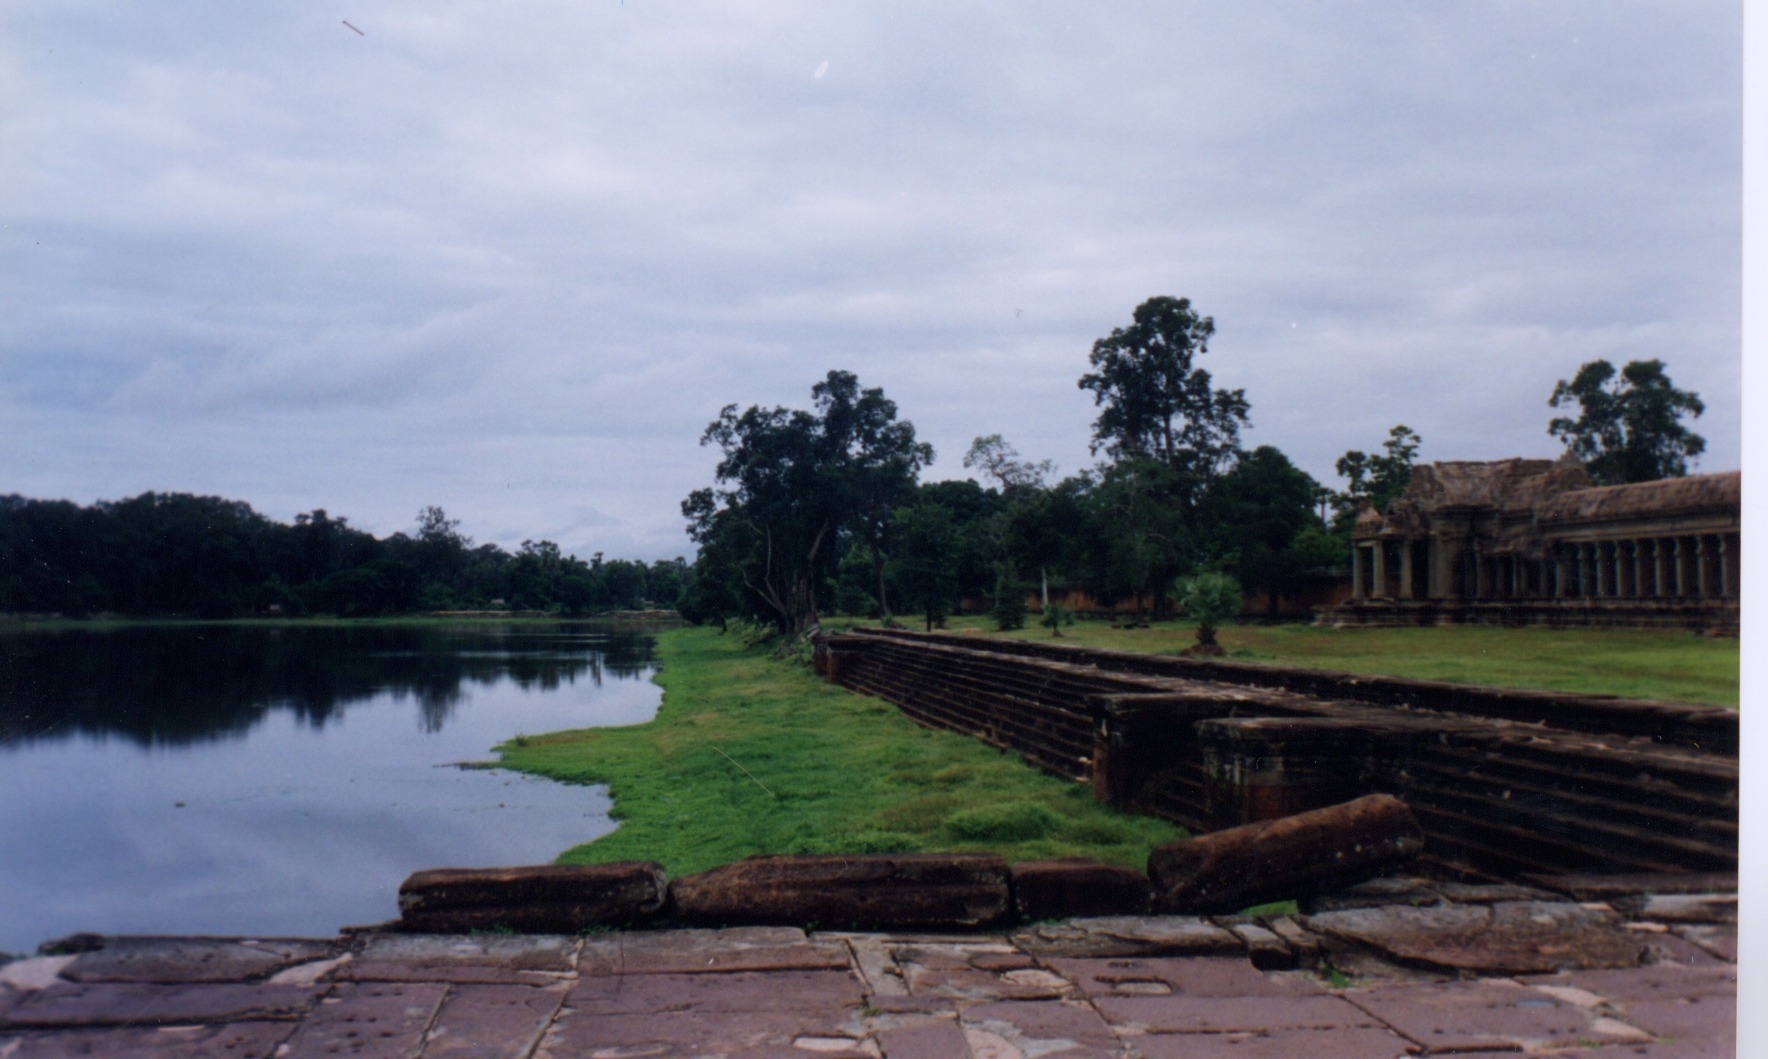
[{"x": 173, "y": 554}]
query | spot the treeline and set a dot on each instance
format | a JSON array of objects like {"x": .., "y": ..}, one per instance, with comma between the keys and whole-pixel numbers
[
  {"x": 173, "y": 554},
  {"x": 823, "y": 509}
]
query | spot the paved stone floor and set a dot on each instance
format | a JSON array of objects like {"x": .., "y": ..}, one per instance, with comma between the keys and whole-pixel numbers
[{"x": 1480, "y": 975}]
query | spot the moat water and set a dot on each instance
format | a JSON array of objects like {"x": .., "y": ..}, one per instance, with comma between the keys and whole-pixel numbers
[{"x": 282, "y": 780}]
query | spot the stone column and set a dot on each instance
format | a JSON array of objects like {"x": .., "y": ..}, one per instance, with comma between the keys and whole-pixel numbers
[
  {"x": 1562, "y": 571},
  {"x": 1406, "y": 582},
  {"x": 1637, "y": 550},
  {"x": 1728, "y": 565},
  {"x": 1357, "y": 570},
  {"x": 1603, "y": 571},
  {"x": 1379, "y": 555},
  {"x": 1478, "y": 588},
  {"x": 1660, "y": 568},
  {"x": 1683, "y": 558},
  {"x": 1585, "y": 580},
  {"x": 1442, "y": 567},
  {"x": 1703, "y": 567}
]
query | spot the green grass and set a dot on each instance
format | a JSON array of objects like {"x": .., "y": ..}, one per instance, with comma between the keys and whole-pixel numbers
[
  {"x": 1637, "y": 663},
  {"x": 750, "y": 754}
]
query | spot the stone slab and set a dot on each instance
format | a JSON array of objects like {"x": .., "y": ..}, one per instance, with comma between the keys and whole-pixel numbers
[
  {"x": 1109, "y": 936},
  {"x": 235, "y": 1040},
  {"x": 1057, "y": 1028},
  {"x": 1304, "y": 945},
  {"x": 1515, "y": 937},
  {"x": 1463, "y": 1016},
  {"x": 1656, "y": 982},
  {"x": 516, "y": 959},
  {"x": 1721, "y": 941},
  {"x": 1339, "y": 1043},
  {"x": 1689, "y": 908},
  {"x": 1197, "y": 976},
  {"x": 737, "y": 991},
  {"x": 126, "y": 1003},
  {"x": 925, "y": 1038},
  {"x": 36, "y": 972},
  {"x": 711, "y": 951},
  {"x": 193, "y": 959},
  {"x": 370, "y": 1020},
  {"x": 1206, "y": 1014},
  {"x": 491, "y": 1021},
  {"x": 678, "y": 1033},
  {"x": 975, "y": 976},
  {"x": 1267, "y": 950}
]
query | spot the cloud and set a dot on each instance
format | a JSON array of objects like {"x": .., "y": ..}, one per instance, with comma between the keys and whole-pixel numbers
[{"x": 513, "y": 260}]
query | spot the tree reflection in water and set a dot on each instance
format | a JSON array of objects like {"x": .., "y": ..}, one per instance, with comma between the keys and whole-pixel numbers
[{"x": 174, "y": 685}]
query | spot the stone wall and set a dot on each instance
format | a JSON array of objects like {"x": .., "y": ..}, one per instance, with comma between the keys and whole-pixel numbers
[{"x": 1505, "y": 782}]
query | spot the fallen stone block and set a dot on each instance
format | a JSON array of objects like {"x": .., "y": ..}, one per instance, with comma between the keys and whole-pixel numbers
[
  {"x": 1062, "y": 889},
  {"x": 550, "y": 899},
  {"x": 867, "y": 892},
  {"x": 1293, "y": 857}
]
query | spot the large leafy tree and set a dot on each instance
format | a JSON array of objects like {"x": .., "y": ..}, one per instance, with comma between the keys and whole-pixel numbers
[
  {"x": 926, "y": 559},
  {"x": 1155, "y": 403},
  {"x": 1142, "y": 538},
  {"x": 1377, "y": 479},
  {"x": 1629, "y": 427},
  {"x": 791, "y": 485}
]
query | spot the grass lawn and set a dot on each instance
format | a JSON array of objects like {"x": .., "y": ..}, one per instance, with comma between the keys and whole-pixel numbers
[
  {"x": 750, "y": 754},
  {"x": 1639, "y": 663}
]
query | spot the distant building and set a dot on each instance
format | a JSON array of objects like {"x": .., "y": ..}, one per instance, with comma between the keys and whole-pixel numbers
[{"x": 1532, "y": 542}]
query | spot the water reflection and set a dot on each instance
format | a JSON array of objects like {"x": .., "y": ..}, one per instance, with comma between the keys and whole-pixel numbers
[
  {"x": 281, "y": 780},
  {"x": 161, "y": 686}
]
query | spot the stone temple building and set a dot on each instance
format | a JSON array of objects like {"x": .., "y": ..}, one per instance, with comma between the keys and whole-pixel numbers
[{"x": 1532, "y": 542}]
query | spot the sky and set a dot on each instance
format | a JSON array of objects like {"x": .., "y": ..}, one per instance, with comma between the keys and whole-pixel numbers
[{"x": 511, "y": 259}]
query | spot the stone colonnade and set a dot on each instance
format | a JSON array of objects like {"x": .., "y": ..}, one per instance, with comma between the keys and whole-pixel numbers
[{"x": 1683, "y": 566}]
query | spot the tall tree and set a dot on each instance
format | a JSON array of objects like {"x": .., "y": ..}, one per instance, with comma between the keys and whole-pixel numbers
[
  {"x": 1629, "y": 428},
  {"x": 1155, "y": 403},
  {"x": 1169, "y": 432},
  {"x": 1377, "y": 479},
  {"x": 791, "y": 482},
  {"x": 879, "y": 461}
]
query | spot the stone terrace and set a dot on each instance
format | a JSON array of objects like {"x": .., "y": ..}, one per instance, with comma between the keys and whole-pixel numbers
[
  {"x": 1394, "y": 967},
  {"x": 1508, "y": 784}
]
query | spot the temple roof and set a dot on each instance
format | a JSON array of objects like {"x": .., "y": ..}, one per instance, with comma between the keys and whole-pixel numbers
[
  {"x": 1509, "y": 485},
  {"x": 1697, "y": 494}
]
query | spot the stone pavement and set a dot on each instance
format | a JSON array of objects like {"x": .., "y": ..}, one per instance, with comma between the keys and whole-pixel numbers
[{"x": 1397, "y": 967}]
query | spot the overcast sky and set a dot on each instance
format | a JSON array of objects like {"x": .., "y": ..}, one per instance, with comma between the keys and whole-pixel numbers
[{"x": 512, "y": 258}]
